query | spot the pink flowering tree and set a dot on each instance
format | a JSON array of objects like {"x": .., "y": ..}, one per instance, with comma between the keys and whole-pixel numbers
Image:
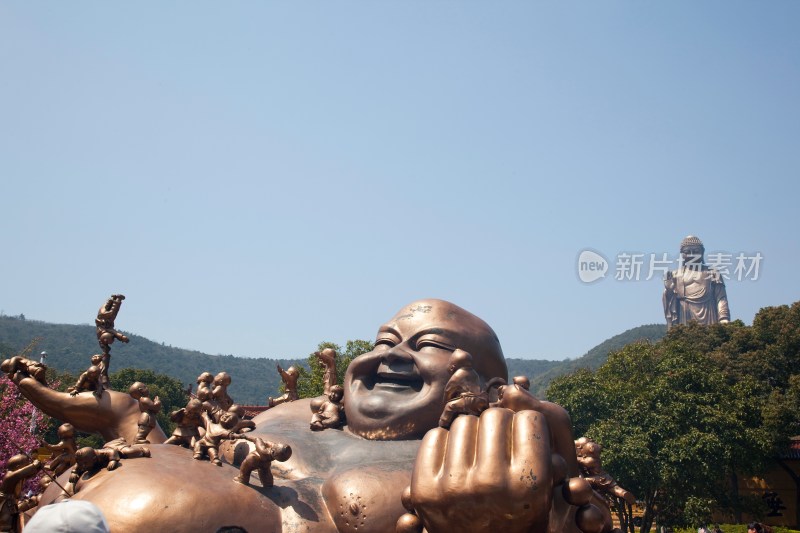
[{"x": 22, "y": 427}]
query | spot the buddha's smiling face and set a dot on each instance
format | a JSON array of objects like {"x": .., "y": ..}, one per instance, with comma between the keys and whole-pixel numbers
[{"x": 396, "y": 391}]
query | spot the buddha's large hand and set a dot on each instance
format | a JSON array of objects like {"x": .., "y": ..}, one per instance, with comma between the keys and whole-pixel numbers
[
  {"x": 113, "y": 415},
  {"x": 512, "y": 469},
  {"x": 493, "y": 473}
]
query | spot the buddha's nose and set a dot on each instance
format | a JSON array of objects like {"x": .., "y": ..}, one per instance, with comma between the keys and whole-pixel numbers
[{"x": 398, "y": 359}]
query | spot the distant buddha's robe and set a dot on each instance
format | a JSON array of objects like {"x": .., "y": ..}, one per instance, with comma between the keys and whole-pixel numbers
[{"x": 695, "y": 295}]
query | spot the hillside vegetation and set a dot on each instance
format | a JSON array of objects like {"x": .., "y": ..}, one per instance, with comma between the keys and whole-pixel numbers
[
  {"x": 595, "y": 357},
  {"x": 69, "y": 348}
]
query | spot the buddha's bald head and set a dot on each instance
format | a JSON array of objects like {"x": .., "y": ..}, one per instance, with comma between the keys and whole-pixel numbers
[{"x": 396, "y": 391}]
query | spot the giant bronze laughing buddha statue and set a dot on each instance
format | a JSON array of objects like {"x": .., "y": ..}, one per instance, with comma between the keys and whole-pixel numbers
[{"x": 511, "y": 469}]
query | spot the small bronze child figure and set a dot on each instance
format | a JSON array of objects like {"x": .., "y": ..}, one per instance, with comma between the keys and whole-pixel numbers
[
  {"x": 215, "y": 433},
  {"x": 243, "y": 425},
  {"x": 88, "y": 381},
  {"x": 34, "y": 369},
  {"x": 106, "y": 334},
  {"x": 64, "y": 451},
  {"x": 188, "y": 419},
  {"x": 329, "y": 415},
  {"x": 90, "y": 460},
  {"x": 127, "y": 451},
  {"x": 205, "y": 393},
  {"x": 100, "y": 362},
  {"x": 149, "y": 408},
  {"x": 204, "y": 390},
  {"x": 20, "y": 467},
  {"x": 327, "y": 358},
  {"x": 289, "y": 377},
  {"x": 463, "y": 390},
  {"x": 261, "y": 459},
  {"x": 523, "y": 382},
  {"x": 220, "y": 393},
  {"x": 590, "y": 464},
  {"x": 216, "y": 401}
]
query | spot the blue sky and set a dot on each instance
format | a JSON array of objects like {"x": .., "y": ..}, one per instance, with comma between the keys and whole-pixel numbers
[{"x": 258, "y": 177}]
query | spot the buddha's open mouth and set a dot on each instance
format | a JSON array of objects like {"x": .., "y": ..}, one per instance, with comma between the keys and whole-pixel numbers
[{"x": 397, "y": 381}]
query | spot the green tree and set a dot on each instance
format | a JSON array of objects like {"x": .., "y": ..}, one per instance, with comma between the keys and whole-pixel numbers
[
  {"x": 6, "y": 351},
  {"x": 682, "y": 417},
  {"x": 672, "y": 426},
  {"x": 310, "y": 384}
]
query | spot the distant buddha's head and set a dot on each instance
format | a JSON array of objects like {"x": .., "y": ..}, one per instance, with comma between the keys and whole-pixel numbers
[
  {"x": 396, "y": 391},
  {"x": 692, "y": 251}
]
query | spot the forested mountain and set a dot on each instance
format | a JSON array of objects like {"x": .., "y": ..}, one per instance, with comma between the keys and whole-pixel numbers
[
  {"x": 69, "y": 348},
  {"x": 531, "y": 367},
  {"x": 592, "y": 359}
]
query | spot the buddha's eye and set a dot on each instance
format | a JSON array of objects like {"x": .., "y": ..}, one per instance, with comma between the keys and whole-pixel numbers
[
  {"x": 433, "y": 343},
  {"x": 384, "y": 343}
]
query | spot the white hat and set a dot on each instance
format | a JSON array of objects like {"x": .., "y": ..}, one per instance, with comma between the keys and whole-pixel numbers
[{"x": 68, "y": 516}]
